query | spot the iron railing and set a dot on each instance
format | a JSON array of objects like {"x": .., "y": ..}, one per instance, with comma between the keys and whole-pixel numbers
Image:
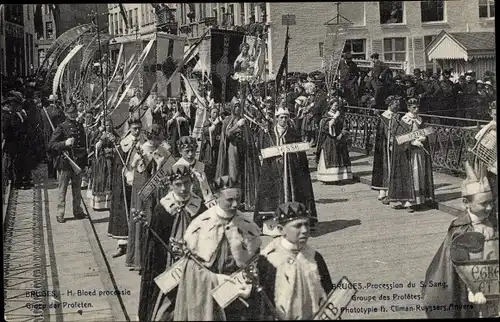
[{"x": 449, "y": 144}]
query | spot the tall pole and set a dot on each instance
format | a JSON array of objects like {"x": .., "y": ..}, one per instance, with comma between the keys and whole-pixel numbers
[
  {"x": 286, "y": 66},
  {"x": 104, "y": 101}
]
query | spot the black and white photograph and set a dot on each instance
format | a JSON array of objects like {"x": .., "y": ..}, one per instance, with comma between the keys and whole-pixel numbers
[{"x": 236, "y": 161}]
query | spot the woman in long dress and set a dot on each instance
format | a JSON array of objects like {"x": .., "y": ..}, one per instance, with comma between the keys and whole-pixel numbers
[
  {"x": 332, "y": 153},
  {"x": 104, "y": 151}
]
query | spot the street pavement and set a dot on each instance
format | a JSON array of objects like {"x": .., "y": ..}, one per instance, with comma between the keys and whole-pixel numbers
[{"x": 387, "y": 251}]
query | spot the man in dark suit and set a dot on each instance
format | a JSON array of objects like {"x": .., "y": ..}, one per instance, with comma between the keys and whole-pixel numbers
[
  {"x": 69, "y": 137},
  {"x": 379, "y": 73}
]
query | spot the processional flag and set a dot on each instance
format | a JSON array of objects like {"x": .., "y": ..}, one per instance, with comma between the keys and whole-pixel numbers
[
  {"x": 222, "y": 60},
  {"x": 124, "y": 14},
  {"x": 161, "y": 62},
  {"x": 283, "y": 65}
]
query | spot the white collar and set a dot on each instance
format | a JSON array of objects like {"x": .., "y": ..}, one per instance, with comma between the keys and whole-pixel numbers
[
  {"x": 475, "y": 219},
  {"x": 222, "y": 213},
  {"x": 289, "y": 246},
  {"x": 179, "y": 198}
]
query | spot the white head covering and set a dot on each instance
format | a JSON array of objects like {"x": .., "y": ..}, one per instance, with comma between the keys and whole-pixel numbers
[
  {"x": 473, "y": 185},
  {"x": 488, "y": 83},
  {"x": 479, "y": 81},
  {"x": 300, "y": 99},
  {"x": 281, "y": 111},
  {"x": 52, "y": 97}
]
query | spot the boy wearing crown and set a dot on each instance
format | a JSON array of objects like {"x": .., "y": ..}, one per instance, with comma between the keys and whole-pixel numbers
[
  {"x": 411, "y": 181},
  {"x": 294, "y": 276},
  {"x": 187, "y": 146},
  {"x": 271, "y": 190},
  {"x": 478, "y": 218},
  {"x": 170, "y": 219},
  {"x": 222, "y": 241}
]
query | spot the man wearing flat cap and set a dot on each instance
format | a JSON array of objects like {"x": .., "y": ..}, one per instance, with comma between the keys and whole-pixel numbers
[
  {"x": 294, "y": 276},
  {"x": 379, "y": 75},
  {"x": 448, "y": 99},
  {"x": 69, "y": 137}
]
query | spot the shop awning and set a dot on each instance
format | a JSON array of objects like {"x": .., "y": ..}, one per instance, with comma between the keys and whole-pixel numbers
[{"x": 462, "y": 45}]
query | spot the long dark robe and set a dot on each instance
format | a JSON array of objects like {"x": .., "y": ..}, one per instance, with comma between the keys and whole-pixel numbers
[
  {"x": 271, "y": 190},
  {"x": 101, "y": 188},
  {"x": 118, "y": 222},
  {"x": 441, "y": 270},
  {"x": 156, "y": 258},
  {"x": 238, "y": 157},
  {"x": 335, "y": 152},
  {"x": 401, "y": 183},
  {"x": 136, "y": 238},
  {"x": 267, "y": 279},
  {"x": 382, "y": 153},
  {"x": 210, "y": 150}
]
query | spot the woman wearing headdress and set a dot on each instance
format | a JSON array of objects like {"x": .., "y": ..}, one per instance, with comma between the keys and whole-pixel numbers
[
  {"x": 104, "y": 151},
  {"x": 332, "y": 153},
  {"x": 238, "y": 157},
  {"x": 384, "y": 142}
]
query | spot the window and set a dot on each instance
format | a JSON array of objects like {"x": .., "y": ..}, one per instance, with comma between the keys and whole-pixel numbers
[
  {"x": 143, "y": 9},
  {"x": 41, "y": 55},
  {"x": 47, "y": 9},
  {"x": 391, "y": 12},
  {"x": 432, "y": 10},
  {"x": 203, "y": 10},
  {"x": 320, "y": 49},
  {"x": 394, "y": 49},
  {"x": 49, "y": 32},
  {"x": 130, "y": 22},
  {"x": 242, "y": 12},
  {"x": 120, "y": 24},
  {"x": 429, "y": 64},
  {"x": 110, "y": 18},
  {"x": 486, "y": 8},
  {"x": 136, "y": 17},
  {"x": 357, "y": 47},
  {"x": 116, "y": 21}
]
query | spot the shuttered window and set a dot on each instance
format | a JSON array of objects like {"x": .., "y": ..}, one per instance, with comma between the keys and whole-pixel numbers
[{"x": 394, "y": 49}]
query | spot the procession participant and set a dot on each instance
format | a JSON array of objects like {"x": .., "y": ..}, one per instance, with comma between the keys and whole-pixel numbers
[
  {"x": 210, "y": 141},
  {"x": 121, "y": 185},
  {"x": 478, "y": 217},
  {"x": 223, "y": 241},
  {"x": 308, "y": 126},
  {"x": 104, "y": 152},
  {"x": 69, "y": 137},
  {"x": 170, "y": 219},
  {"x": 177, "y": 127},
  {"x": 56, "y": 115},
  {"x": 238, "y": 157},
  {"x": 384, "y": 145},
  {"x": 271, "y": 189},
  {"x": 379, "y": 75},
  {"x": 411, "y": 179},
  {"x": 143, "y": 167},
  {"x": 481, "y": 168},
  {"x": 300, "y": 105},
  {"x": 332, "y": 153},
  {"x": 294, "y": 276},
  {"x": 320, "y": 107}
]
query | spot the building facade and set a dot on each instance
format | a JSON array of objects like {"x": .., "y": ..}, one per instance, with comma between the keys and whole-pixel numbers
[
  {"x": 397, "y": 30},
  {"x": 71, "y": 15},
  {"x": 17, "y": 40}
]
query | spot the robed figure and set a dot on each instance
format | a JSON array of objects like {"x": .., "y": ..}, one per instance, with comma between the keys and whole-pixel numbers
[
  {"x": 461, "y": 300},
  {"x": 170, "y": 219},
  {"x": 294, "y": 276},
  {"x": 332, "y": 153},
  {"x": 177, "y": 127},
  {"x": 271, "y": 189},
  {"x": 411, "y": 179},
  {"x": 121, "y": 185},
  {"x": 384, "y": 144},
  {"x": 238, "y": 157},
  {"x": 144, "y": 168},
  {"x": 210, "y": 142}
]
